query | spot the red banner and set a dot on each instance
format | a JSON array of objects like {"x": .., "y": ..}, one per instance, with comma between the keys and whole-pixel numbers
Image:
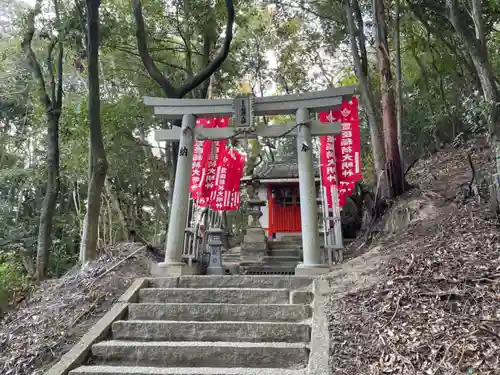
[
  {"x": 239, "y": 165},
  {"x": 225, "y": 196},
  {"x": 209, "y": 162},
  {"x": 201, "y": 155},
  {"x": 216, "y": 172},
  {"x": 343, "y": 151}
]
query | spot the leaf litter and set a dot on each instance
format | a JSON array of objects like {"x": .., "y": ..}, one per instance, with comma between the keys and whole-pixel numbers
[
  {"x": 434, "y": 305},
  {"x": 57, "y": 314}
]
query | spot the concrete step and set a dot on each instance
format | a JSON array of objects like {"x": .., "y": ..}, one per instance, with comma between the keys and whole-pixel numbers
[
  {"x": 147, "y": 330},
  {"x": 123, "y": 370},
  {"x": 201, "y": 354},
  {"x": 219, "y": 312},
  {"x": 212, "y": 295},
  {"x": 273, "y": 282}
]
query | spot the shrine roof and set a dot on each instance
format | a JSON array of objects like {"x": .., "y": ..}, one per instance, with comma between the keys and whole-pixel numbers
[{"x": 271, "y": 171}]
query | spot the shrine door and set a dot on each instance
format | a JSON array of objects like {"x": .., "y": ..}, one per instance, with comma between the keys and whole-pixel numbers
[{"x": 284, "y": 209}]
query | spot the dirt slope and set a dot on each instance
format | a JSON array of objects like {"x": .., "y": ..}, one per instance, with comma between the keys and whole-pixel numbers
[
  {"x": 425, "y": 296},
  {"x": 50, "y": 321}
]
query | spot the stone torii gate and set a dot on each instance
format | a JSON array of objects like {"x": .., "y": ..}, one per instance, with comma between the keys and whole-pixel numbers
[{"x": 243, "y": 109}]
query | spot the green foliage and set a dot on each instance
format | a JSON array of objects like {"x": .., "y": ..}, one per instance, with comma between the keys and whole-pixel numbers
[{"x": 11, "y": 279}]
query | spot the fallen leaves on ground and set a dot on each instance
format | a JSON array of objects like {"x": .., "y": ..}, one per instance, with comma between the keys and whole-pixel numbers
[
  {"x": 437, "y": 310},
  {"x": 59, "y": 312}
]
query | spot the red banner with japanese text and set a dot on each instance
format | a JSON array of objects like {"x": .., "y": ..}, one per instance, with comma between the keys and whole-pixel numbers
[
  {"x": 201, "y": 156},
  {"x": 210, "y": 154},
  {"x": 343, "y": 151},
  {"x": 226, "y": 194}
]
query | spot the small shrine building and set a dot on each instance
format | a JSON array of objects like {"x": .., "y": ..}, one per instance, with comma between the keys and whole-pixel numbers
[{"x": 279, "y": 187}]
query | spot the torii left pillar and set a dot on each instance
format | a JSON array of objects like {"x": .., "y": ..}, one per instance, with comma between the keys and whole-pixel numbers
[{"x": 173, "y": 265}]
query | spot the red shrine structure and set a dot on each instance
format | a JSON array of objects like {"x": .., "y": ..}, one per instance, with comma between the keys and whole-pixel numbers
[{"x": 279, "y": 187}]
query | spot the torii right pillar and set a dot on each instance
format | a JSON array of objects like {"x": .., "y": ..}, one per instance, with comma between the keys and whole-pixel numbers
[{"x": 308, "y": 207}]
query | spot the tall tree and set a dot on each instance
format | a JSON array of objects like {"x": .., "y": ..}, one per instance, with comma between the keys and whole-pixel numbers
[
  {"x": 470, "y": 31},
  {"x": 360, "y": 59},
  {"x": 98, "y": 165},
  {"x": 399, "y": 77},
  {"x": 51, "y": 99},
  {"x": 393, "y": 158}
]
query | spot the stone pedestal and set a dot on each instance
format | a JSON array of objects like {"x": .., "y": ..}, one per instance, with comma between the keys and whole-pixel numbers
[
  {"x": 254, "y": 246},
  {"x": 311, "y": 270}
]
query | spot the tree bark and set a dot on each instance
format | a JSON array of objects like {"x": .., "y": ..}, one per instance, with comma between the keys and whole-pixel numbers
[
  {"x": 361, "y": 69},
  {"x": 51, "y": 99},
  {"x": 97, "y": 155},
  {"x": 399, "y": 79},
  {"x": 48, "y": 210},
  {"x": 393, "y": 158}
]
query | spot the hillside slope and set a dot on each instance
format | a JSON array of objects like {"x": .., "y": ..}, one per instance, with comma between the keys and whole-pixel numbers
[
  {"x": 58, "y": 313},
  {"x": 425, "y": 296}
]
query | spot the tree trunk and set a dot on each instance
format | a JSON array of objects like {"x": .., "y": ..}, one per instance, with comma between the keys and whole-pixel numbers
[
  {"x": 97, "y": 155},
  {"x": 361, "y": 69},
  {"x": 50, "y": 199},
  {"x": 477, "y": 49},
  {"x": 393, "y": 158},
  {"x": 157, "y": 187},
  {"x": 399, "y": 79},
  {"x": 52, "y": 103}
]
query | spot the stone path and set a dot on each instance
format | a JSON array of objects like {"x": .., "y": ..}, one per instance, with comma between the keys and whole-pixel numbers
[{"x": 219, "y": 325}]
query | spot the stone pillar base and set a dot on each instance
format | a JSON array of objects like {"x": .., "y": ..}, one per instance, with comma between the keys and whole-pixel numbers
[
  {"x": 311, "y": 269},
  {"x": 254, "y": 246},
  {"x": 173, "y": 269}
]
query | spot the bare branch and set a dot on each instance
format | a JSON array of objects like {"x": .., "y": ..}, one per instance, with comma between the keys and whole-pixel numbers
[{"x": 147, "y": 60}]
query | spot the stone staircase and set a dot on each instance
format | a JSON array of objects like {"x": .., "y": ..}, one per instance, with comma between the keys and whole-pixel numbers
[
  {"x": 216, "y": 325},
  {"x": 282, "y": 259}
]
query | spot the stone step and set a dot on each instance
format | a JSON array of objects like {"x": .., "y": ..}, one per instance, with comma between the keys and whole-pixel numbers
[
  {"x": 218, "y": 312},
  {"x": 289, "y": 260},
  {"x": 141, "y": 330},
  {"x": 284, "y": 245},
  {"x": 123, "y": 370},
  {"x": 269, "y": 269},
  {"x": 285, "y": 252},
  {"x": 201, "y": 354},
  {"x": 213, "y": 295},
  {"x": 273, "y": 282}
]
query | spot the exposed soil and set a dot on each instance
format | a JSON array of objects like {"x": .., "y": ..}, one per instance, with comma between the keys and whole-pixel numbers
[
  {"x": 425, "y": 296},
  {"x": 59, "y": 312}
]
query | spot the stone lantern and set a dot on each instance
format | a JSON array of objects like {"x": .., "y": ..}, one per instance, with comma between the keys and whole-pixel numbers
[{"x": 254, "y": 246}]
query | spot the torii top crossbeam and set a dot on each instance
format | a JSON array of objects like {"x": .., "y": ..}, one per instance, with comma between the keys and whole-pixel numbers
[{"x": 271, "y": 105}]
